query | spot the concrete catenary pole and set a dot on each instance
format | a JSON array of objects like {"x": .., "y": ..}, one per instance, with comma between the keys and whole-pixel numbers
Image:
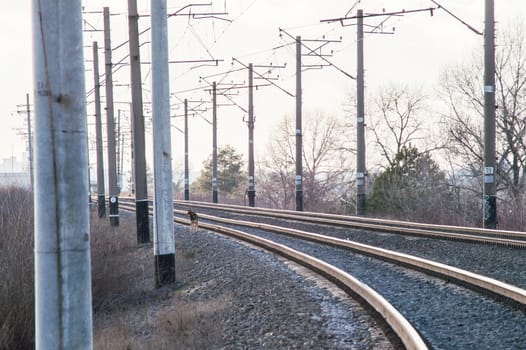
[
  {"x": 214, "y": 142},
  {"x": 299, "y": 133},
  {"x": 490, "y": 171},
  {"x": 251, "y": 186},
  {"x": 360, "y": 122},
  {"x": 186, "y": 163},
  {"x": 164, "y": 244},
  {"x": 139, "y": 153},
  {"x": 122, "y": 139},
  {"x": 132, "y": 151},
  {"x": 110, "y": 124},
  {"x": 101, "y": 196},
  {"x": 30, "y": 144},
  {"x": 63, "y": 316}
]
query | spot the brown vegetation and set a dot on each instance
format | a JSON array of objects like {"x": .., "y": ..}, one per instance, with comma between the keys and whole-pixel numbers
[
  {"x": 129, "y": 313},
  {"x": 16, "y": 269}
]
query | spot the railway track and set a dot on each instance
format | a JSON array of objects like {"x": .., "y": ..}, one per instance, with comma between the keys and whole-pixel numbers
[
  {"x": 397, "y": 325},
  {"x": 502, "y": 261},
  {"x": 505, "y": 238},
  {"x": 403, "y": 288}
]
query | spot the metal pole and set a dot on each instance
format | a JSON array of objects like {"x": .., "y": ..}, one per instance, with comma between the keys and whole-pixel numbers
[
  {"x": 163, "y": 238},
  {"x": 361, "y": 207},
  {"x": 101, "y": 197},
  {"x": 186, "y": 166},
  {"x": 110, "y": 125},
  {"x": 251, "y": 187},
  {"x": 138, "y": 149},
  {"x": 30, "y": 143},
  {"x": 214, "y": 143},
  {"x": 63, "y": 314},
  {"x": 299, "y": 134},
  {"x": 490, "y": 194}
]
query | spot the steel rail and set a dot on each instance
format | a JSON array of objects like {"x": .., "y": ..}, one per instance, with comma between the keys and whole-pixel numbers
[
  {"x": 401, "y": 327},
  {"x": 505, "y": 238},
  {"x": 475, "y": 281},
  {"x": 478, "y": 282}
]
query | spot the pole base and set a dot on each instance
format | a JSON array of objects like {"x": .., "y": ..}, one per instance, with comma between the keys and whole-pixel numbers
[
  {"x": 143, "y": 222},
  {"x": 114, "y": 211},
  {"x": 186, "y": 195},
  {"x": 251, "y": 198},
  {"x": 490, "y": 212},
  {"x": 101, "y": 201},
  {"x": 164, "y": 269},
  {"x": 299, "y": 200},
  {"x": 214, "y": 197},
  {"x": 361, "y": 208}
]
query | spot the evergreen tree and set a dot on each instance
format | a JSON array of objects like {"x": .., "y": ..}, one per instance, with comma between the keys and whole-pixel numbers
[
  {"x": 412, "y": 187},
  {"x": 229, "y": 171}
]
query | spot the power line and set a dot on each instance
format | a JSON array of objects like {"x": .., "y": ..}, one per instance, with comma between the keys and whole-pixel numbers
[
  {"x": 262, "y": 77},
  {"x": 320, "y": 56},
  {"x": 457, "y": 18}
]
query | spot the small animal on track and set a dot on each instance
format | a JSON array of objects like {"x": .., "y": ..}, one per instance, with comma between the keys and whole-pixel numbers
[{"x": 194, "y": 220}]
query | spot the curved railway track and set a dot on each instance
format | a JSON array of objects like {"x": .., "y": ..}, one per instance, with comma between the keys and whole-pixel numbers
[
  {"x": 441, "y": 297},
  {"x": 505, "y": 238},
  {"x": 502, "y": 261}
]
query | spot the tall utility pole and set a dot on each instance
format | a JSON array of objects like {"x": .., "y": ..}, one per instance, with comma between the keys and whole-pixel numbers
[
  {"x": 163, "y": 241},
  {"x": 360, "y": 119},
  {"x": 139, "y": 155},
  {"x": 132, "y": 155},
  {"x": 490, "y": 171},
  {"x": 186, "y": 163},
  {"x": 361, "y": 171},
  {"x": 214, "y": 142},
  {"x": 63, "y": 311},
  {"x": 299, "y": 134},
  {"x": 110, "y": 124},
  {"x": 30, "y": 143},
  {"x": 251, "y": 187},
  {"x": 251, "y": 120},
  {"x": 101, "y": 196}
]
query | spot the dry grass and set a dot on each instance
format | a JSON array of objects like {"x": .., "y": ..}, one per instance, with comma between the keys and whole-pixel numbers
[
  {"x": 128, "y": 312},
  {"x": 16, "y": 269},
  {"x": 175, "y": 324},
  {"x": 112, "y": 268},
  {"x": 166, "y": 318},
  {"x": 192, "y": 325}
]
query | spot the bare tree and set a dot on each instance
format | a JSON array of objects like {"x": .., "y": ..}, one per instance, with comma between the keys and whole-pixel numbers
[
  {"x": 397, "y": 120},
  {"x": 462, "y": 88},
  {"x": 400, "y": 125},
  {"x": 327, "y": 171}
]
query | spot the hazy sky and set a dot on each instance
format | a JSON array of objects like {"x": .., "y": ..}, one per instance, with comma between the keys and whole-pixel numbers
[{"x": 420, "y": 49}]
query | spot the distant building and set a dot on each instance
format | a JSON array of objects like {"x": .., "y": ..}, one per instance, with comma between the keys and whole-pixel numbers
[
  {"x": 13, "y": 165},
  {"x": 14, "y": 172},
  {"x": 15, "y": 179}
]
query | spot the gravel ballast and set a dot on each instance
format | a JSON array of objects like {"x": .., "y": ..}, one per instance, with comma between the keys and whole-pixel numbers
[
  {"x": 502, "y": 263},
  {"x": 274, "y": 304},
  {"x": 448, "y": 316}
]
